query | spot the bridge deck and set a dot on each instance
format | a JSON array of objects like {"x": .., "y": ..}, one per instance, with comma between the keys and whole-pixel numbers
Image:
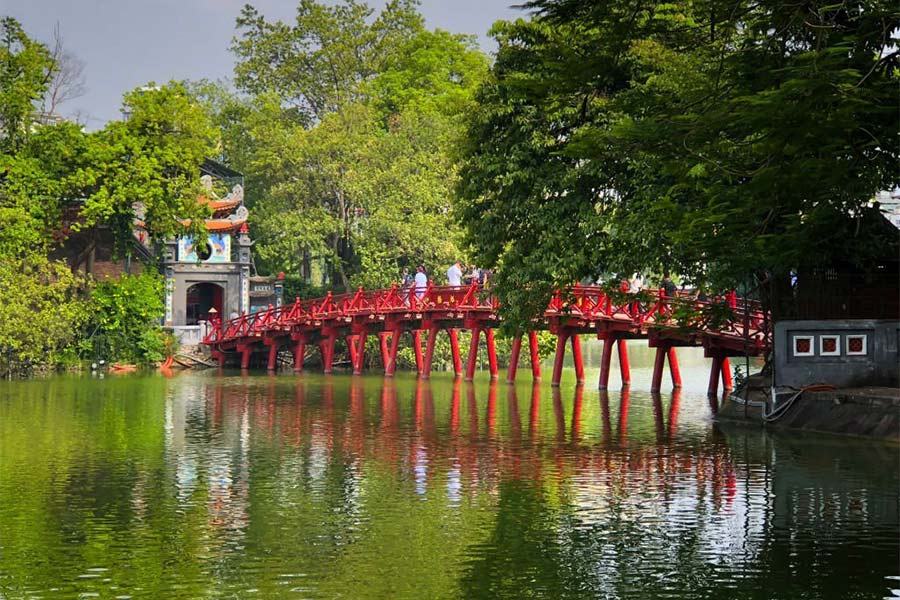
[{"x": 725, "y": 327}]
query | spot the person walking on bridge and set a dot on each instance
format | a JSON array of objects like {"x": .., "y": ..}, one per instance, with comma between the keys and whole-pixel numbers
[
  {"x": 454, "y": 274},
  {"x": 421, "y": 281},
  {"x": 668, "y": 286}
]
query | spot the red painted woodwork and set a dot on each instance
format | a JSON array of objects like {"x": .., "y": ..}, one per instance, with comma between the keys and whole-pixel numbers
[{"x": 581, "y": 309}]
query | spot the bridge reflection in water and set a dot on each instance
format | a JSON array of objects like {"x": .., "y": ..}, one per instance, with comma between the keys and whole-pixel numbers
[
  {"x": 633, "y": 485},
  {"x": 369, "y": 487}
]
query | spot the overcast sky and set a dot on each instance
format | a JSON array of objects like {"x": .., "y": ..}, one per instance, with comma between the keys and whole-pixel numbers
[{"x": 127, "y": 43}]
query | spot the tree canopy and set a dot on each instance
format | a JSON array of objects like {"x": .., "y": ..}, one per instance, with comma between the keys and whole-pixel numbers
[
  {"x": 723, "y": 140},
  {"x": 57, "y": 179},
  {"x": 347, "y": 132}
]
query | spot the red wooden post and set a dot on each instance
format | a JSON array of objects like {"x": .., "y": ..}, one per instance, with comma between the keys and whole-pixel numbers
[
  {"x": 429, "y": 350},
  {"x": 417, "y": 346},
  {"x": 273, "y": 355},
  {"x": 360, "y": 353},
  {"x": 299, "y": 353},
  {"x": 605, "y": 360},
  {"x": 492, "y": 353},
  {"x": 385, "y": 350},
  {"x": 535, "y": 357},
  {"x": 514, "y": 359},
  {"x": 658, "y": 365},
  {"x": 327, "y": 348},
  {"x": 454, "y": 349},
  {"x": 391, "y": 365},
  {"x": 561, "y": 338},
  {"x": 351, "y": 345},
  {"x": 245, "y": 356},
  {"x": 576, "y": 356},
  {"x": 624, "y": 366},
  {"x": 714, "y": 374},
  {"x": 674, "y": 371},
  {"x": 473, "y": 354},
  {"x": 726, "y": 374}
]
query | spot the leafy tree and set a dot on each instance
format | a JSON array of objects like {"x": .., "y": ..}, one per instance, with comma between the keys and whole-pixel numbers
[
  {"x": 25, "y": 73},
  {"x": 56, "y": 179},
  {"x": 128, "y": 312},
  {"x": 315, "y": 66},
  {"x": 722, "y": 140},
  {"x": 42, "y": 310},
  {"x": 146, "y": 166},
  {"x": 350, "y": 128}
]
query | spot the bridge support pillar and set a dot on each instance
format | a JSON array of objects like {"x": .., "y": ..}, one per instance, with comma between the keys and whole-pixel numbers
[
  {"x": 272, "y": 359},
  {"x": 576, "y": 357},
  {"x": 245, "y": 351},
  {"x": 561, "y": 339},
  {"x": 517, "y": 352},
  {"x": 391, "y": 352},
  {"x": 454, "y": 349},
  {"x": 674, "y": 371},
  {"x": 566, "y": 335},
  {"x": 624, "y": 366},
  {"x": 326, "y": 347},
  {"x": 429, "y": 351},
  {"x": 492, "y": 353},
  {"x": 472, "y": 360},
  {"x": 720, "y": 368},
  {"x": 417, "y": 347},
  {"x": 385, "y": 349},
  {"x": 351, "y": 347},
  {"x": 360, "y": 354},
  {"x": 665, "y": 350},
  {"x": 535, "y": 355},
  {"x": 514, "y": 359},
  {"x": 726, "y": 374},
  {"x": 299, "y": 352},
  {"x": 605, "y": 360}
]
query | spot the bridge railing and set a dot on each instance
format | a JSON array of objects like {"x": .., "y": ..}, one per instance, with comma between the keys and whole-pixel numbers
[{"x": 723, "y": 316}]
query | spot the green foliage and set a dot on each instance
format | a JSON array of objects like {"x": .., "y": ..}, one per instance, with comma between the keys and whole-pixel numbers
[
  {"x": 56, "y": 179},
  {"x": 42, "y": 308},
  {"x": 316, "y": 65},
  {"x": 720, "y": 140},
  {"x": 25, "y": 70},
  {"x": 152, "y": 158},
  {"x": 352, "y": 169},
  {"x": 128, "y": 312}
]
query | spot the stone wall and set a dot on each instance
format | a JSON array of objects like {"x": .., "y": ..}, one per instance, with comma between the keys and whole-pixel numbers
[{"x": 843, "y": 353}]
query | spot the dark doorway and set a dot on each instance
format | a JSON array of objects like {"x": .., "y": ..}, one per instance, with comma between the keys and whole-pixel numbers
[{"x": 201, "y": 297}]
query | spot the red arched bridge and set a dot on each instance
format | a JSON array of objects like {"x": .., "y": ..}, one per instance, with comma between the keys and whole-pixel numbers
[{"x": 724, "y": 327}]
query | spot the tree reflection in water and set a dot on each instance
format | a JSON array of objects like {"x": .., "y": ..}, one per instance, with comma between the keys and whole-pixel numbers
[{"x": 400, "y": 487}]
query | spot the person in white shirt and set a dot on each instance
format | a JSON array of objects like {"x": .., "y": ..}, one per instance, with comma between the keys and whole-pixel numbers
[
  {"x": 454, "y": 274},
  {"x": 637, "y": 283},
  {"x": 421, "y": 281}
]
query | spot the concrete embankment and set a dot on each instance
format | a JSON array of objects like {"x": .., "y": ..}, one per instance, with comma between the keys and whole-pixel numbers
[{"x": 869, "y": 411}]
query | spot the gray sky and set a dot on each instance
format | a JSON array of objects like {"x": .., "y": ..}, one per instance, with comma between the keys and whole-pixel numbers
[{"x": 127, "y": 43}]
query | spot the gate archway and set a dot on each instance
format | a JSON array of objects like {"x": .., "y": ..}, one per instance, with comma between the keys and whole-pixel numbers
[{"x": 200, "y": 298}]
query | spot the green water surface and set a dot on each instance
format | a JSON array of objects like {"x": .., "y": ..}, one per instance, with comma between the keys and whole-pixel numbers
[{"x": 226, "y": 486}]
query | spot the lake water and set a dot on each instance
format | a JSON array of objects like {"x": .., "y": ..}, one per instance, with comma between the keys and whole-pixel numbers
[{"x": 227, "y": 486}]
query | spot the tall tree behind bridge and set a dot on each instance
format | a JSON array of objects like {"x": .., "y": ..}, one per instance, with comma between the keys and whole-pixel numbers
[
  {"x": 721, "y": 140},
  {"x": 350, "y": 122}
]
